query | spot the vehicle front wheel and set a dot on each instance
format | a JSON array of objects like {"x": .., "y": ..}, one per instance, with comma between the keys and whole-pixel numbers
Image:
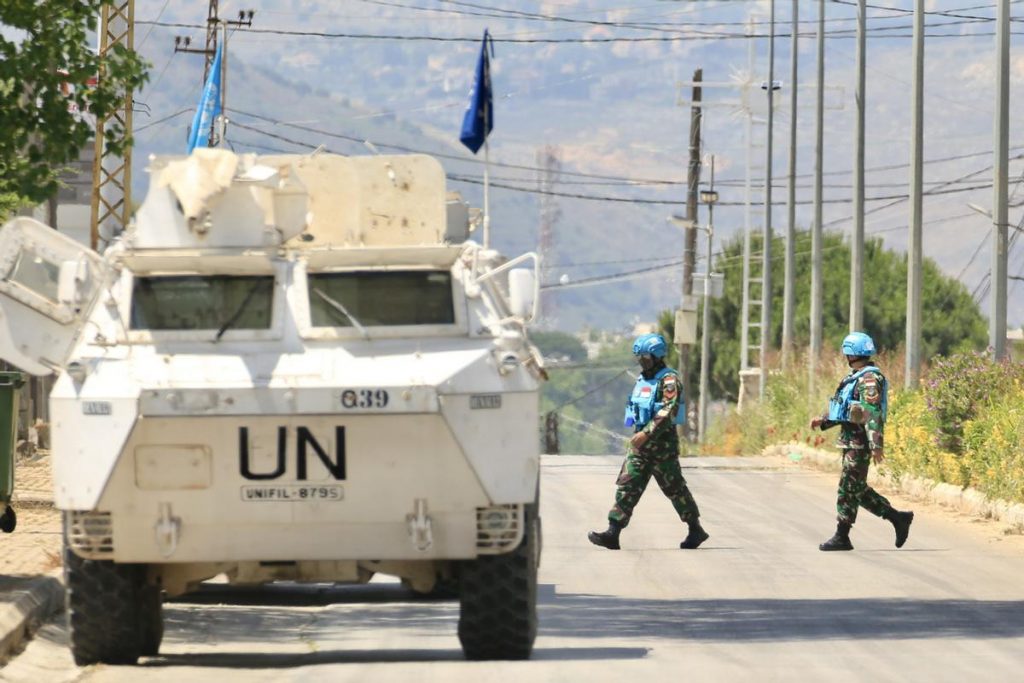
[
  {"x": 110, "y": 615},
  {"x": 498, "y": 601}
]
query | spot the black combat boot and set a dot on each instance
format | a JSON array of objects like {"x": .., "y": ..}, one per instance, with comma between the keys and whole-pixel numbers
[
  {"x": 607, "y": 539},
  {"x": 841, "y": 539},
  {"x": 695, "y": 537},
  {"x": 901, "y": 523}
]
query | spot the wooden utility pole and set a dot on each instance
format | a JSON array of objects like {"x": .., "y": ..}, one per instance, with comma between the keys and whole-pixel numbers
[{"x": 690, "y": 241}]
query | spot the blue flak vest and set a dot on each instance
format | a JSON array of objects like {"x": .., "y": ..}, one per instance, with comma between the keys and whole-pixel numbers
[
  {"x": 642, "y": 407},
  {"x": 839, "y": 404}
]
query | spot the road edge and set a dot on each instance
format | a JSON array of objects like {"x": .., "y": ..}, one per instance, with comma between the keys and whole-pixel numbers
[
  {"x": 968, "y": 501},
  {"x": 31, "y": 604}
]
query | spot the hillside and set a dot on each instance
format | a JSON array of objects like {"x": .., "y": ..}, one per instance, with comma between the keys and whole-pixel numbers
[{"x": 611, "y": 108}]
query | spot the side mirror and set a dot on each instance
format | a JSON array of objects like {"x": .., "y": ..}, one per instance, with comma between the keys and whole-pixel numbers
[{"x": 522, "y": 290}]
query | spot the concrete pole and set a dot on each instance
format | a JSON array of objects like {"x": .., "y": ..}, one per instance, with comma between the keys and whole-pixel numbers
[
  {"x": 789, "y": 289},
  {"x": 857, "y": 246},
  {"x": 748, "y": 193},
  {"x": 705, "y": 327},
  {"x": 766, "y": 247},
  {"x": 690, "y": 244},
  {"x": 997, "y": 315},
  {"x": 817, "y": 294},
  {"x": 914, "y": 249}
]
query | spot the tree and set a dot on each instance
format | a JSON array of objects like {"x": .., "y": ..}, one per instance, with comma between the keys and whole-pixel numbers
[
  {"x": 951, "y": 320},
  {"x": 48, "y": 72},
  {"x": 556, "y": 345}
]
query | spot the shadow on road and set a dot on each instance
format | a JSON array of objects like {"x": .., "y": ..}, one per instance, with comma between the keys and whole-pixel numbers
[
  {"x": 594, "y": 616},
  {"x": 251, "y": 660}
]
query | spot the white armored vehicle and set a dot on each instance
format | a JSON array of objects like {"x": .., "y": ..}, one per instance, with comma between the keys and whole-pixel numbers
[{"x": 288, "y": 368}]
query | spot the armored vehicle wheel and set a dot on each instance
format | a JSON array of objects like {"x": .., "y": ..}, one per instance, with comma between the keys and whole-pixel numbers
[
  {"x": 498, "y": 601},
  {"x": 151, "y": 620},
  {"x": 107, "y": 606},
  {"x": 8, "y": 520}
]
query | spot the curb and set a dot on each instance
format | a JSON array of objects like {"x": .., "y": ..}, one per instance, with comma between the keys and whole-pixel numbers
[
  {"x": 25, "y": 603},
  {"x": 965, "y": 500}
]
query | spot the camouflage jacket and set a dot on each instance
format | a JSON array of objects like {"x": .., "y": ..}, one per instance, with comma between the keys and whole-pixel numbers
[
  {"x": 868, "y": 431},
  {"x": 661, "y": 430}
]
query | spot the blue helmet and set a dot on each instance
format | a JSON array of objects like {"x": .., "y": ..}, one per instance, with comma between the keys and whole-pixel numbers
[
  {"x": 653, "y": 344},
  {"x": 858, "y": 344}
]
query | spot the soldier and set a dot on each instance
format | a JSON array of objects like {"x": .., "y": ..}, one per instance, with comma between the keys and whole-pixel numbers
[
  {"x": 654, "y": 409},
  {"x": 859, "y": 408}
]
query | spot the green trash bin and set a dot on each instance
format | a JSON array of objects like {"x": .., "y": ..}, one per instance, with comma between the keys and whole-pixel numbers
[{"x": 10, "y": 383}]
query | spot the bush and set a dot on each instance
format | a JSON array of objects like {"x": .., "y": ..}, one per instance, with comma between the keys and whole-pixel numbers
[
  {"x": 994, "y": 450},
  {"x": 959, "y": 386}
]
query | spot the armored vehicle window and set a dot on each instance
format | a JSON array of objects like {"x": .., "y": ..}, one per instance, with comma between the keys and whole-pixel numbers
[
  {"x": 202, "y": 302},
  {"x": 36, "y": 273},
  {"x": 414, "y": 297}
]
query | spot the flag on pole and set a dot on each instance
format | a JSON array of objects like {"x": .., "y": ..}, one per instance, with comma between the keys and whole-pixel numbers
[
  {"x": 209, "y": 106},
  {"x": 479, "y": 117}
]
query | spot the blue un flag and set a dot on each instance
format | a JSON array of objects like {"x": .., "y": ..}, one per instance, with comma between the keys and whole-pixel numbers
[
  {"x": 209, "y": 106},
  {"x": 479, "y": 118}
]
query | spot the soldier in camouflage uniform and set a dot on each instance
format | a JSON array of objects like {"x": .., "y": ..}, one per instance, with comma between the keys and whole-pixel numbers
[
  {"x": 653, "y": 409},
  {"x": 859, "y": 409}
]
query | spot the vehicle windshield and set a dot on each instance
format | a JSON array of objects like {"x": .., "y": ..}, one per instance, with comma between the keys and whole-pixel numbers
[
  {"x": 34, "y": 272},
  {"x": 385, "y": 298},
  {"x": 202, "y": 302}
]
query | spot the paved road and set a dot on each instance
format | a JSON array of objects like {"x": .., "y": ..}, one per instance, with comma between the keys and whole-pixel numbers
[{"x": 757, "y": 601}]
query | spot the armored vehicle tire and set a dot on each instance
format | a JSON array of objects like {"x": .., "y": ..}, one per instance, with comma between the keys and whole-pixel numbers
[
  {"x": 498, "y": 601},
  {"x": 105, "y": 606},
  {"x": 151, "y": 620}
]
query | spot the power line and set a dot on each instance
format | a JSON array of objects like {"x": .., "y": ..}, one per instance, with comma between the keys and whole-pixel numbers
[
  {"x": 575, "y": 174},
  {"x": 527, "y": 41}
]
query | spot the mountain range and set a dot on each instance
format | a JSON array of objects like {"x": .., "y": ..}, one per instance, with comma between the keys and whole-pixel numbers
[{"x": 602, "y": 85}]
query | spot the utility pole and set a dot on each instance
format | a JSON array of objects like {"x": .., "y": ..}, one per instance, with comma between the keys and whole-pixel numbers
[
  {"x": 817, "y": 295},
  {"x": 789, "y": 294},
  {"x": 997, "y": 315},
  {"x": 857, "y": 247},
  {"x": 690, "y": 243},
  {"x": 914, "y": 250},
  {"x": 766, "y": 247},
  {"x": 112, "y": 176},
  {"x": 709, "y": 198},
  {"x": 549, "y": 169},
  {"x": 213, "y": 24}
]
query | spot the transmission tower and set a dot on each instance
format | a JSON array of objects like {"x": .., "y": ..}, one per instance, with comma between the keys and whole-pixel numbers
[
  {"x": 550, "y": 169},
  {"x": 112, "y": 175}
]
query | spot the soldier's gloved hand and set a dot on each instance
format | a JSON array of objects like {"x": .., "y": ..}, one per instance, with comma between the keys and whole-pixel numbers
[
  {"x": 638, "y": 440},
  {"x": 817, "y": 422}
]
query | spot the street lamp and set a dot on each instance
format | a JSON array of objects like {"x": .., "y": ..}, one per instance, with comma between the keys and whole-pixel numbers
[{"x": 709, "y": 197}]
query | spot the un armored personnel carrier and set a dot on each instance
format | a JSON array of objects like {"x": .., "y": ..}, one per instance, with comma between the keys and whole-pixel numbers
[{"x": 288, "y": 368}]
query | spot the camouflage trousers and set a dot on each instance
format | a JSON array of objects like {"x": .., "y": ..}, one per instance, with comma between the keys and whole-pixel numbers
[
  {"x": 854, "y": 491},
  {"x": 633, "y": 479}
]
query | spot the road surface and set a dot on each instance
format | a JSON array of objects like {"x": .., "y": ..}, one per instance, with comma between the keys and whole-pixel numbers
[{"x": 757, "y": 601}]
